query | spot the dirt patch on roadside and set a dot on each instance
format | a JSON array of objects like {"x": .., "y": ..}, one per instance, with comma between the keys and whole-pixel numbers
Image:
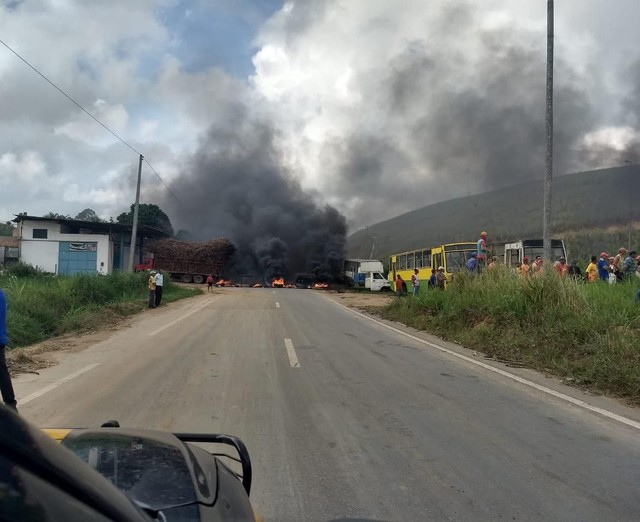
[
  {"x": 365, "y": 301},
  {"x": 32, "y": 358}
]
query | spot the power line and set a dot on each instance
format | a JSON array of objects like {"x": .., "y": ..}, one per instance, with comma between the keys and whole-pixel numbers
[
  {"x": 92, "y": 117},
  {"x": 165, "y": 185}
]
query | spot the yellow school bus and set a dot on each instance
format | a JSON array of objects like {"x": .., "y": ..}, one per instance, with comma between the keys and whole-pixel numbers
[{"x": 451, "y": 256}]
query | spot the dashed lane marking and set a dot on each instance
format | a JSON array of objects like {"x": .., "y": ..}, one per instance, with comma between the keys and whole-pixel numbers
[{"x": 291, "y": 352}]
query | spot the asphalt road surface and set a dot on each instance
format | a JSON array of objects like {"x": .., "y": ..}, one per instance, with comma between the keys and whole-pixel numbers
[{"x": 346, "y": 419}]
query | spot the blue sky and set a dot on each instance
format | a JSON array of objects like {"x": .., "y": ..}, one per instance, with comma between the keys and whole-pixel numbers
[{"x": 217, "y": 34}]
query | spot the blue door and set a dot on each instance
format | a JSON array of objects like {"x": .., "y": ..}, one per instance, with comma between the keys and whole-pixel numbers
[{"x": 77, "y": 257}]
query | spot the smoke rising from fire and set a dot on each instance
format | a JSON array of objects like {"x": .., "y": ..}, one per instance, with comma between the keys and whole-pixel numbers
[{"x": 235, "y": 186}]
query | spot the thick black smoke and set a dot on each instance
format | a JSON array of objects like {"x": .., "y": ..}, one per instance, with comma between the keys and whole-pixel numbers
[{"x": 235, "y": 186}]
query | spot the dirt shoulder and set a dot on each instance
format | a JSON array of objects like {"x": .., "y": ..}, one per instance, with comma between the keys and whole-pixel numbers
[
  {"x": 30, "y": 359},
  {"x": 365, "y": 301}
]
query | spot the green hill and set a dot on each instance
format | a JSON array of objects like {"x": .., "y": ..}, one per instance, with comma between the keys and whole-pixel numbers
[{"x": 590, "y": 210}]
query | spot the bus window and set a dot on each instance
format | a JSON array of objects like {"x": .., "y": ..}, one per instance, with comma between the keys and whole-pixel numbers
[
  {"x": 419, "y": 259},
  {"x": 437, "y": 258},
  {"x": 456, "y": 260},
  {"x": 410, "y": 261},
  {"x": 426, "y": 260},
  {"x": 402, "y": 262}
]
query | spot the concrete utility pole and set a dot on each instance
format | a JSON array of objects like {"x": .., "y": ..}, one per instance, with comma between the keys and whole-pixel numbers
[
  {"x": 548, "y": 168},
  {"x": 134, "y": 228}
]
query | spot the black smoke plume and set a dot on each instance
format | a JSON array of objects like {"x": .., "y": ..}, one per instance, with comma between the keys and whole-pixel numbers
[{"x": 235, "y": 186}]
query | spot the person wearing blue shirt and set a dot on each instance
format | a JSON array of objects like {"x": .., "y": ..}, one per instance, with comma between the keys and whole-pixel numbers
[
  {"x": 6, "y": 387},
  {"x": 603, "y": 267},
  {"x": 472, "y": 263}
]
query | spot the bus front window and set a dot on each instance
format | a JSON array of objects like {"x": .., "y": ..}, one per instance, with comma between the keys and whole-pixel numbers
[{"x": 457, "y": 259}]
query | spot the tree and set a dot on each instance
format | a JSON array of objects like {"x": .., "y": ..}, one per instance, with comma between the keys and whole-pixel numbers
[
  {"x": 6, "y": 229},
  {"x": 150, "y": 215},
  {"x": 89, "y": 214},
  {"x": 55, "y": 215},
  {"x": 184, "y": 235}
]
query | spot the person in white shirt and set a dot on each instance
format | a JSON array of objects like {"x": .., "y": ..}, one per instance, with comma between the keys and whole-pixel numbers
[
  {"x": 159, "y": 283},
  {"x": 415, "y": 282}
]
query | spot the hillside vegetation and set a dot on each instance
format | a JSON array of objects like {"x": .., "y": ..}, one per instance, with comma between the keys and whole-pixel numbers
[{"x": 590, "y": 210}]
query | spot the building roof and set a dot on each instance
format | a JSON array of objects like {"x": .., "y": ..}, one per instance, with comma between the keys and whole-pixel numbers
[{"x": 96, "y": 225}]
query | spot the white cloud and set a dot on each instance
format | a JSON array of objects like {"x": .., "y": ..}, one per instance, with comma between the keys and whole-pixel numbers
[{"x": 26, "y": 169}]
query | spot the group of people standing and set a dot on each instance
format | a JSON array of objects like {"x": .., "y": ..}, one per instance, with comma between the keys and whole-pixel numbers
[
  {"x": 437, "y": 280},
  {"x": 613, "y": 269},
  {"x": 156, "y": 285}
]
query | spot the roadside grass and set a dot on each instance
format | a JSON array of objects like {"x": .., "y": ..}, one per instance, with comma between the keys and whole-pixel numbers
[
  {"x": 41, "y": 306},
  {"x": 588, "y": 334}
]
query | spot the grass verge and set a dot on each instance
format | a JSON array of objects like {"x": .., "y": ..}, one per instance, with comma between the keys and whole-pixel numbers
[
  {"x": 588, "y": 334},
  {"x": 40, "y": 306}
]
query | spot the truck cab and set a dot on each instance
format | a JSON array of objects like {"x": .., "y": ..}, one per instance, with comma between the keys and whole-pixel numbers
[{"x": 376, "y": 281}]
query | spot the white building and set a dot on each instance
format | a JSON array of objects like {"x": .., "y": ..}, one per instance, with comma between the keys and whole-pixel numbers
[{"x": 70, "y": 246}]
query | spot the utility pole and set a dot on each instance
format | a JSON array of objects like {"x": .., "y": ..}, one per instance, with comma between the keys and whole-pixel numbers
[
  {"x": 134, "y": 227},
  {"x": 373, "y": 246},
  {"x": 548, "y": 168}
]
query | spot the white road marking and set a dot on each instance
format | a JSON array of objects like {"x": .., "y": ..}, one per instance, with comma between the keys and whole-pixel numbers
[
  {"x": 291, "y": 352},
  {"x": 559, "y": 395},
  {"x": 57, "y": 383},
  {"x": 193, "y": 311},
  {"x": 277, "y": 305}
]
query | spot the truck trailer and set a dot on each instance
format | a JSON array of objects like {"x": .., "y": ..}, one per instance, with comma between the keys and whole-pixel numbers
[{"x": 188, "y": 261}]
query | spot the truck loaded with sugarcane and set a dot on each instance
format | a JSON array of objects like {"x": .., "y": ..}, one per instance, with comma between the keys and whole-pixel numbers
[{"x": 188, "y": 261}]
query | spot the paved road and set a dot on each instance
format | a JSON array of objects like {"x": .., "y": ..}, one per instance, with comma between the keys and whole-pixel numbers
[{"x": 370, "y": 424}]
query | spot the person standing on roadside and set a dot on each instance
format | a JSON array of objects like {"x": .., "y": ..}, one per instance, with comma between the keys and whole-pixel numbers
[
  {"x": 537, "y": 266},
  {"x": 432, "y": 279},
  {"x": 441, "y": 278},
  {"x": 618, "y": 260},
  {"x": 603, "y": 267},
  {"x": 481, "y": 249},
  {"x": 561, "y": 267},
  {"x": 152, "y": 289},
  {"x": 8, "y": 396},
  {"x": 399, "y": 285},
  {"x": 525, "y": 268},
  {"x": 472, "y": 263},
  {"x": 591, "y": 272},
  {"x": 415, "y": 282},
  {"x": 629, "y": 265},
  {"x": 209, "y": 283},
  {"x": 159, "y": 283},
  {"x": 574, "y": 270}
]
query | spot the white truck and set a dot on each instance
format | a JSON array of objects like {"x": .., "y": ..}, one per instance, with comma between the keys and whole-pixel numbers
[{"x": 366, "y": 273}]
